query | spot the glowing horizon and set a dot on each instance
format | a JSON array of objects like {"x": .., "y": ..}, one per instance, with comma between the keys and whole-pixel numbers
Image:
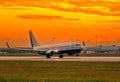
[{"x": 92, "y": 21}]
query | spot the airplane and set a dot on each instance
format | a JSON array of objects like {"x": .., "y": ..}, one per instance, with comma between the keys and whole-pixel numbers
[
  {"x": 48, "y": 50},
  {"x": 71, "y": 48}
]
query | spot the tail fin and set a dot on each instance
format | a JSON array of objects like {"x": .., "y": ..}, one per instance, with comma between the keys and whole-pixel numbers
[
  {"x": 7, "y": 45},
  {"x": 32, "y": 39}
]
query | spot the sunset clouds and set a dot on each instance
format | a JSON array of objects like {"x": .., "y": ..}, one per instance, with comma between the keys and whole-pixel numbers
[
  {"x": 48, "y": 17},
  {"x": 64, "y": 19},
  {"x": 99, "y": 7}
]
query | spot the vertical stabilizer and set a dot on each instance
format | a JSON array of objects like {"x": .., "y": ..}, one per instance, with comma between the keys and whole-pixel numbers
[{"x": 32, "y": 39}]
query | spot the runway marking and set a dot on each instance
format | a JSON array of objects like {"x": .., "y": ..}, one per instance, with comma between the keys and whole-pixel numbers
[{"x": 64, "y": 59}]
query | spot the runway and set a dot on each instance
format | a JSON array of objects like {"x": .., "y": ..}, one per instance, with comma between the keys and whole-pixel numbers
[{"x": 64, "y": 59}]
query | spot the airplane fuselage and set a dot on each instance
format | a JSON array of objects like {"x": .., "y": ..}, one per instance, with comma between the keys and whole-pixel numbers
[{"x": 70, "y": 48}]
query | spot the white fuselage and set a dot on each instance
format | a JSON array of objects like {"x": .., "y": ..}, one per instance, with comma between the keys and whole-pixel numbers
[{"x": 59, "y": 47}]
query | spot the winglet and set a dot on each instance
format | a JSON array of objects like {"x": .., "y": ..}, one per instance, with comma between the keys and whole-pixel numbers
[{"x": 7, "y": 45}]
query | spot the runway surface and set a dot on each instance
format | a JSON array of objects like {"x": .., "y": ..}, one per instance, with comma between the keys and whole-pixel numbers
[{"x": 64, "y": 59}]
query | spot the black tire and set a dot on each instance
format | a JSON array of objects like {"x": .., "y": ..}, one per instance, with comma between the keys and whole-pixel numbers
[
  {"x": 48, "y": 56},
  {"x": 77, "y": 55},
  {"x": 60, "y": 56}
]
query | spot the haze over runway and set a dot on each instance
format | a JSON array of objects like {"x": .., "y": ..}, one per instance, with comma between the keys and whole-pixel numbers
[{"x": 116, "y": 59}]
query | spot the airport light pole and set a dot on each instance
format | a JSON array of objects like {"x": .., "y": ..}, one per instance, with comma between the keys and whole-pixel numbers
[{"x": 96, "y": 37}]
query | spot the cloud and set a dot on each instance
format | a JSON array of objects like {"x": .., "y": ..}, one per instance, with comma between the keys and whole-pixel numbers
[
  {"x": 93, "y": 7},
  {"x": 12, "y": 8},
  {"x": 98, "y": 7},
  {"x": 110, "y": 21},
  {"x": 47, "y": 17}
]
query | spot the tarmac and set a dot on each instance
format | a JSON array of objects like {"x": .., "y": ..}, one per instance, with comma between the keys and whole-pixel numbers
[{"x": 116, "y": 59}]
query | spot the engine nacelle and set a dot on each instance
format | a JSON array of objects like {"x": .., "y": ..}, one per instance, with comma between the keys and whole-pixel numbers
[{"x": 49, "y": 53}]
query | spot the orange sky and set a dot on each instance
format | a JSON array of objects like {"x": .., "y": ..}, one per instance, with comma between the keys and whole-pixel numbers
[{"x": 94, "y": 21}]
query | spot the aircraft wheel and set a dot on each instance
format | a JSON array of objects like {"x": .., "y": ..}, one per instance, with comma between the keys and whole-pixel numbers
[
  {"x": 60, "y": 56},
  {"x": 77, "y": 55},
  {"x": 48, "y": 56}
]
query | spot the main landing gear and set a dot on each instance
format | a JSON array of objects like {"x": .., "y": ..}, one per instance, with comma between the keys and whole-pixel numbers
[
  {"x": 48, "y": 56},
  {"x": 60, "y": 56},
  {"x": 77, "y": 54}
]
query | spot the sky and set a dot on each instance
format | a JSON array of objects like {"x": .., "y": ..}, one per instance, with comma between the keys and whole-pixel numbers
[{"x": 97, "y": 22}]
